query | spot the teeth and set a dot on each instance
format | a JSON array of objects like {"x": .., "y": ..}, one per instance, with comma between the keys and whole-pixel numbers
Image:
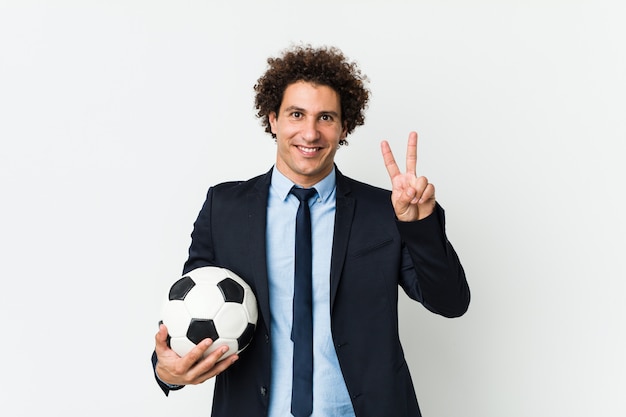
[{"x": 309, "y": 150}]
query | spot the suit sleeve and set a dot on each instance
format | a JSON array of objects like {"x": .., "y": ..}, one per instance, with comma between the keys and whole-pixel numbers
[
  {"x": 201, "y": 251},
  {"x": 432, "y": 272}
]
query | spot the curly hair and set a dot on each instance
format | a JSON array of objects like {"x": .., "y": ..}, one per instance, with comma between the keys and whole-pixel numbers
[{"x": 321, "y": 66}]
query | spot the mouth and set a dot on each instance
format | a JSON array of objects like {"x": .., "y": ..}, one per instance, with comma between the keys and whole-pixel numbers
[{"x": 308, "y": 150}]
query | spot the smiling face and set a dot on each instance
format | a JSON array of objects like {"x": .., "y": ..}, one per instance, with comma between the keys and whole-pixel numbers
[{"x": 308, "y": 129}]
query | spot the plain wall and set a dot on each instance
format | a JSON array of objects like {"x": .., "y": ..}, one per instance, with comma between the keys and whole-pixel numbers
[{"x": 116, "y": 116}]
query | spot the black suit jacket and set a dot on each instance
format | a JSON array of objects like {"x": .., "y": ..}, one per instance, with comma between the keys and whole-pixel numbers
[{"x": 372, "y": 255}]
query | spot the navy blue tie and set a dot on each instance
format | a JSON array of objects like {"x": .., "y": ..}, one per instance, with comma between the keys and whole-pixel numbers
[{"x": 302, "y": 326}]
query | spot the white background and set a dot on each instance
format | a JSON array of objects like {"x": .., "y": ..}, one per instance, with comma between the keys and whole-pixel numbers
[{"x": 116, "y": 116}]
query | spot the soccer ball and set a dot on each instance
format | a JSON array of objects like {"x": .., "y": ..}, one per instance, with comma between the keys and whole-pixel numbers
[{"x": 210, "y": 302}]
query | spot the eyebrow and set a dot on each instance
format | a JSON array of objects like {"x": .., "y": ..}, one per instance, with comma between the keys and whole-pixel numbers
[{"x": 301, "y": 110}]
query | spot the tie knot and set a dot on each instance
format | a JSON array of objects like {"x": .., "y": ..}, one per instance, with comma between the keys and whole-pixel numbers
[{"x": 303, "y": 194}]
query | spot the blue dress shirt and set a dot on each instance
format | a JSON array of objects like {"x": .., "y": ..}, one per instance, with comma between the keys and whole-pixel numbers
[{"x": 330, "y": 395}]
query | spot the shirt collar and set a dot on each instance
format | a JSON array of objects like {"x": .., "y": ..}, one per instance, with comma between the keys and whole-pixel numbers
[{"x": 282, "y": 185}]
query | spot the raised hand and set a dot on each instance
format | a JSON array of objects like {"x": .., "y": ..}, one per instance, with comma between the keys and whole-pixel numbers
[
  {"x": 412, "y": 197},
  {"x": 191, "y": 369}
]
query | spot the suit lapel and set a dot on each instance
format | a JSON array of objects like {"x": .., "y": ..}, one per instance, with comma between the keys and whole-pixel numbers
[
  {"x": 257, "y": 224},
  {"x": 343, "y": 223}
]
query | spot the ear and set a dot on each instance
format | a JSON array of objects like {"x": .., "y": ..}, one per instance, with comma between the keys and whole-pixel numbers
[
  {"x": 273, "y": 122},
  {"x": 344, "y": 131}
]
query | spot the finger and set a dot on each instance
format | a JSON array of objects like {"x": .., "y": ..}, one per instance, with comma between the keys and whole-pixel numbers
[
  {"x": 428, "y": 194},
  {"x": 412, "y": 195},
  {"x": 419, "y": 184},
  {"x": 411, "y": 153},
  {"x": 222, "y": 365},
  {"x": 195, "y": 355},
  {"x": 215, "y": 356},
  {"x": 390, "y": 162},
  {"x": 407, "y": 191},
  {"x": 161, "y": 339},
  {"x": 216, "y": 370},
  {"x": 211, "y": 365}
]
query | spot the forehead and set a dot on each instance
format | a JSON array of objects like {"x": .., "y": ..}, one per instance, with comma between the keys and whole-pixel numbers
[{"x": 311, "y": 97}]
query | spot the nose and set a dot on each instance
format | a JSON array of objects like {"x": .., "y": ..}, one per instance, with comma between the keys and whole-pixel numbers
[{"x": 310, "y": 131}]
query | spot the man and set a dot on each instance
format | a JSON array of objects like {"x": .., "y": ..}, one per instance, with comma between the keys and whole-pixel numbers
[{"x": 365, "y": 243}]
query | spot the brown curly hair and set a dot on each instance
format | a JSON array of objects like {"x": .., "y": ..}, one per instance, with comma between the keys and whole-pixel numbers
[{"x": 322, "y": 66}]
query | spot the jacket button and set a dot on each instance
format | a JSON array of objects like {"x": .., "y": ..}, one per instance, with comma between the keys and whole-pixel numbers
[
  {"x": 263, "y": 391},
  {"x": 267, "y": 338}
]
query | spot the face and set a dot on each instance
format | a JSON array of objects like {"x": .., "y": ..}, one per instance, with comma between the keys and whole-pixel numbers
[{"x": 308, "y": 129}]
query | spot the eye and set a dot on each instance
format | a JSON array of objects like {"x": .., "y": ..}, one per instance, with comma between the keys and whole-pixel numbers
[
  {"x": 326, "y": 118},
  {"x": 296, "y": 114}
]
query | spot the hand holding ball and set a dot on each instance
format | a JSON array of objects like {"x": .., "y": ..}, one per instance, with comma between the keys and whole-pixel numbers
[{"x": 210, "y": 302}]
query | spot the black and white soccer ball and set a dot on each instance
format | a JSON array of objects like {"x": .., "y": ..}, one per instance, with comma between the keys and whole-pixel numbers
[{"x": 210, "y": 302}]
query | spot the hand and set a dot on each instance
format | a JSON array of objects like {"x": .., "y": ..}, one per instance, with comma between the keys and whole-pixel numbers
[
  {"x": 412, "y": 197},
  {"x": 191, "y": 369}
]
